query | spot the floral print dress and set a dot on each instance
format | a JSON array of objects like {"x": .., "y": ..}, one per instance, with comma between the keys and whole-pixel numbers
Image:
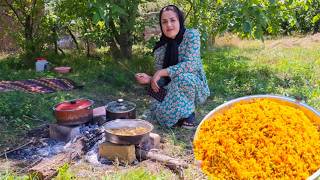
[{"x": 188, "y": 85}]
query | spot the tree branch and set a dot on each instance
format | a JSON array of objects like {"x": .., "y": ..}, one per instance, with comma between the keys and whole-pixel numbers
[
  {"x": 113, "y": 29},
  {"x": 15, "y": 12},
  {"x": 33, "y": 10}
]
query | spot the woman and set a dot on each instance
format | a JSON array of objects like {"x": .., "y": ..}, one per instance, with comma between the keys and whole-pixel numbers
[{"x": 179, "y": 71}]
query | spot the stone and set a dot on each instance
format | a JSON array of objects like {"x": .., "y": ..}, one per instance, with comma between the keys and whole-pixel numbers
[
  {"x": 63, "y": 133},
  {"x": 99, "y": 111},
  {"x": 151, "y": 142},
  {"x": 124, "y": 153},
  {"x": 99, "y": 115}
]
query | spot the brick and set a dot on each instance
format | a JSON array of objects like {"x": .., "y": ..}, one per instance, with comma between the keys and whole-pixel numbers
[
  {"x": 99, "y": 115},
  {"x": 99, "y": 111},
  {"x": 63, "y": 133},
  {"x": 151, "y": 142},
  {"x": 124, "y": 153}
]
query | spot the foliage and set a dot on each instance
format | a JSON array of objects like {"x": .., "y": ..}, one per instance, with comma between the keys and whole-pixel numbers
[
  {"x": 118, "y": 19},
  {"x": 12, "y": 176},
  {"x": 64, "y": 173},
  {"x": 250, "y": 19},
  {"x": 27, "y": 15},
  {"x": 136, "y": 174}
]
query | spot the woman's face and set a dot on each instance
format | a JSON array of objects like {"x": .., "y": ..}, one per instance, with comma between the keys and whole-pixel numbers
[{"x": 170, "y": 24}]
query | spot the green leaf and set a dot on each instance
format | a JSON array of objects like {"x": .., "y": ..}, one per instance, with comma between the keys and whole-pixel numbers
[
  {"x": 316, "y": 18},
  {"x": 96, "y": 18},
  {"x": 272, "y": 1},
  {"x": 247, "y": 27},
  {"x": 118, "y": 10}
]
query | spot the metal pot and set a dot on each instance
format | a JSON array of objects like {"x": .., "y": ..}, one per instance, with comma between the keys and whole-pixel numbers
[
  {"x": 126, "y": 123},
  {"x": 120, "y": 109},
  {"x": 74, "y": 112}
]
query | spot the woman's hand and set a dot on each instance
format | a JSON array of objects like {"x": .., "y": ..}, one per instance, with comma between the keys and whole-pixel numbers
[
  {"x": 143, "y": 78},
  {"x": 156, "y": 77}
]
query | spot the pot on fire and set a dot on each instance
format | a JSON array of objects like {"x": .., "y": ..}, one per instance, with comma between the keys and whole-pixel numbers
[
  {"x": 74, "y": 112},
  {"x": 127, "y": 131},
  {"x": 120, "y": 109}
]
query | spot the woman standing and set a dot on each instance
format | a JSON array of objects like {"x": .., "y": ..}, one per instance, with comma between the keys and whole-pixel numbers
[{"x": 179, "y": 72}]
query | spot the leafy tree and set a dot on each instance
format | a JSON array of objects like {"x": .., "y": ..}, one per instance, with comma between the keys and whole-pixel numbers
[
  {"x": 27, "y": 14},
  {"x": 75, "y": 17},
  {"x": 251, "y": 18},
  {"x": 119, "y": 18}
]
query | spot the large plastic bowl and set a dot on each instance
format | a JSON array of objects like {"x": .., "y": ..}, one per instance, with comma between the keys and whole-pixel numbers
[
  {"x": 62, "y": 69},
  {"x": 309, "y": 111}
]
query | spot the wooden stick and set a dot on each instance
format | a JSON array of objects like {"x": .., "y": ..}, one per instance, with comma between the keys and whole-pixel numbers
[
  {"x": 170, "y": 162},
  {"x": 15, "y": 149}
]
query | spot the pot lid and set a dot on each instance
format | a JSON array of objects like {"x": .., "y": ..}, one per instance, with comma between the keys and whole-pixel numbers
[
  {"x": 120, "y": 106},
  {"x": 73, "y": 105}
]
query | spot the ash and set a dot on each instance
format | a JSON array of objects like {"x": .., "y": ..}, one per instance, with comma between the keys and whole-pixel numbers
[{"x": 45, "y": 147}]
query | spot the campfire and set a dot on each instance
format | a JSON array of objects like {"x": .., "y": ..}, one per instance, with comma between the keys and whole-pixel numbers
[{"x": 98, "y": 140}]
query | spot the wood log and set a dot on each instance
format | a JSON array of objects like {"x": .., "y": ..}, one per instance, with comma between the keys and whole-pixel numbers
[
  {"x": 47, "y": 168},
  {"x": 170, "y": 162}
]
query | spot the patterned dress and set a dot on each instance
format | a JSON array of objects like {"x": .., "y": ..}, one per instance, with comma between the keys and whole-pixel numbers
[{"x": 188, "y": 85}]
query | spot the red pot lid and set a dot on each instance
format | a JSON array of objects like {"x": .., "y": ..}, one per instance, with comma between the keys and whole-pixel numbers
[{"x": 74, "y": 105}]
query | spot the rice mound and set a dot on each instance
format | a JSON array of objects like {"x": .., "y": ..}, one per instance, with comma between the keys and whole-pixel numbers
[{"x": 258, "y": 139}]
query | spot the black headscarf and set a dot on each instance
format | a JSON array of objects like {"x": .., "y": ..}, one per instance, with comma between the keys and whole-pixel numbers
[{"x": 171, "y": 55}]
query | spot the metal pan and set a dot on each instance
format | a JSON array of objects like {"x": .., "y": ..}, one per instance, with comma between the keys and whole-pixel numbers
[{"x": 123, "y": 124}]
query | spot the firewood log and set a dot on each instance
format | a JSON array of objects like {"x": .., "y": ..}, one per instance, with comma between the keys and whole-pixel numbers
[{"x": 47, "y": 168}]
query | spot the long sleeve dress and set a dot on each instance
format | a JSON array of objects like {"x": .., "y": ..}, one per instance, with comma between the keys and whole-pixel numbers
[{"x": 188, "y": 85}]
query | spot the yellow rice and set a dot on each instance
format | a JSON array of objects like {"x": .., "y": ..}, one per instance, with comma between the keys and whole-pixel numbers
[{"x": 261, "y": 139}]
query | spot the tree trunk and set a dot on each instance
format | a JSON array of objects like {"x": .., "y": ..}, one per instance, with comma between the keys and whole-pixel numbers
[
  {"x": 55, "y": 38},
  {"x": 316, "y": 27},
  {"x": 88, "y": 47},
  {"x": 30, "y": 49},
  {"x": 28, "y": 34},
  {"x": 61, "y": 51},
  {"x": 211, "y": 40},
  {"x": 125, "y": 38},
  {"x": 73, "y": 38},
  {"x": 113, "y": 41}
]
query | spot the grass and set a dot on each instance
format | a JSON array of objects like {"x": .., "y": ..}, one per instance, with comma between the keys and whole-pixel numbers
[
  {"x": 234, "y": 68},
  {"x": 137, "y": 174}
]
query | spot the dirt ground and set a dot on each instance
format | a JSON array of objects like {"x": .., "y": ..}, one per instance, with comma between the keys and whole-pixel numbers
[{"x": 307, "y": 41}]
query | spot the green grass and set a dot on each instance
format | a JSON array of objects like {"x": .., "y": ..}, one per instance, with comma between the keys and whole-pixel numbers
[
  {"x": 138, "y": 174},
  {"x": 234, "y": 72},
  {"x": 231, "y": 72}
]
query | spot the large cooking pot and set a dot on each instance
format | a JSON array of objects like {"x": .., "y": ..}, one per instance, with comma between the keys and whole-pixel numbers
[
  {"x": 120, "y": 109},
  {"x": 74, "y": 112},
  {"x": 118, "y": 131}
]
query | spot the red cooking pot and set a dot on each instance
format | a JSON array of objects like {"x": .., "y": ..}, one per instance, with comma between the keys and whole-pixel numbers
[{"x": 74, "y": 112}]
